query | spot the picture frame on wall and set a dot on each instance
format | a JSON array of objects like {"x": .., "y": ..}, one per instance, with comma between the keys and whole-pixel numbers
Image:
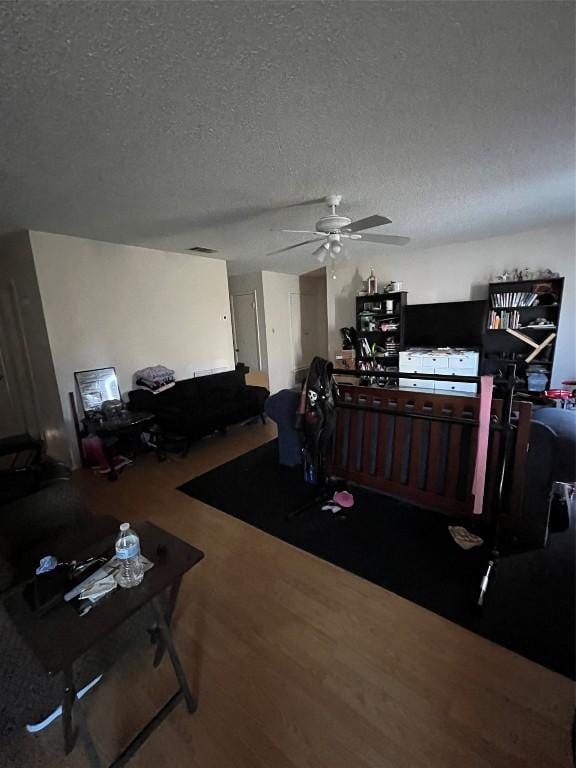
[{"x": 96, "y": 386}]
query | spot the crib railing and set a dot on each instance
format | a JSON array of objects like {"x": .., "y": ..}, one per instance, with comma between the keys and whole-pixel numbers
[{"x": 423, "y": 446}]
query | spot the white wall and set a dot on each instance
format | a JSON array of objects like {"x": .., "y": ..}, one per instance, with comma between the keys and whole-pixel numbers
[
  {"x": 252, "y": 283},
  {"x": 26, "y": 347},
  {"x": 460, "y": 272},
  {"x": 130, "y": 307}
]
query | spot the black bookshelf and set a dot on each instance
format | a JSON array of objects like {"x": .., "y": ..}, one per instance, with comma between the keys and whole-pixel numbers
[
  {"x": 516, "y": 306},
  {"x": 382, "y": 329}
]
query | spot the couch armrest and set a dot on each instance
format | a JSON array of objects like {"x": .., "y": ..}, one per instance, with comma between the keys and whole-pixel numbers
[{"x": 256, "y": 396}]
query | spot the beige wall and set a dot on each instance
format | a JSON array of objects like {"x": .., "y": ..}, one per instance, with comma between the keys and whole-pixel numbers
[
  {"x": 130, "y": 307},
  {"x": 461, "y": 272},
  {"x": 26, "y": 347}
]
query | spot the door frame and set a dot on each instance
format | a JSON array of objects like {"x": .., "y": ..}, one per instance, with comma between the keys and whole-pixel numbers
[{"x": 256, "y": 315}]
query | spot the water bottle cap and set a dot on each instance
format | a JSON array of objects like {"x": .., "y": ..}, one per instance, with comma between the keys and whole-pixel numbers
[{"x": 124, "y": 526}]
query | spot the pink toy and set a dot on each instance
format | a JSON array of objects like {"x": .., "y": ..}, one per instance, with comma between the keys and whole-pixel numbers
[{"x": 344, "y": 499}]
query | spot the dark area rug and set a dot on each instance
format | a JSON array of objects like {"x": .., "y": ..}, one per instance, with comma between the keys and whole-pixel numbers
[{"x": 408, "y": 550}]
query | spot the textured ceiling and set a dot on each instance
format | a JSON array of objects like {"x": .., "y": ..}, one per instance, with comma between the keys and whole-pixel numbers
[{"x": 174, "y": 124}]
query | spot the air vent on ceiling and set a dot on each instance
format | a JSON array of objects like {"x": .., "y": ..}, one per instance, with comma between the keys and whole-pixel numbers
[{"x": 199, "y": 249}]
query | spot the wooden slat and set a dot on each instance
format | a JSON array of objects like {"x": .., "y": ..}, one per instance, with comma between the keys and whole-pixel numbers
[
  {"x": 434, "y": 450},
  {"x": 381, "y": 452},
  {"x": 399, "y": 433},
  {"x": 414, "y": 468},
  {"x": 454, "y": 440},
  {"x": 360, "y": 423},
  {"x": 369, "y": 431}
]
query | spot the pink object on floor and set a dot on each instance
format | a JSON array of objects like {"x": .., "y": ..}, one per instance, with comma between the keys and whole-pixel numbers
[{"x": 344, "y": 498}]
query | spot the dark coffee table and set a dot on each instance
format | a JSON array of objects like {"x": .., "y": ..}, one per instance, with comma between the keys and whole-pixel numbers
[{"x": 61, "y": 636}]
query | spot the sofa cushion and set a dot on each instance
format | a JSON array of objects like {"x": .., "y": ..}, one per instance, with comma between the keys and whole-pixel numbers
[
  {"x": 186, "y": 394},
  {"x": 220, "y": 388}
]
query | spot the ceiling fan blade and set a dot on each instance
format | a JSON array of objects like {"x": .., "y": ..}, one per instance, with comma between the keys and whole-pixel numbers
[
  {"x": 289, "y": 247},
  {"x": 300, "y": 231},
  {"x": 386, "y": 239},
  {"x": 316, "y": 201},
  {"x": 367, "y": 223}
]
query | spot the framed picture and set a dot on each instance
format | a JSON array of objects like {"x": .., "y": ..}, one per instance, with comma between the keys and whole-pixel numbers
[{"x": 96, "y": 387}]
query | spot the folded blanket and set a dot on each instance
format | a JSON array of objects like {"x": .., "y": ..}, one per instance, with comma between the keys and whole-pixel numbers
[{"x": 155, "y": 373}]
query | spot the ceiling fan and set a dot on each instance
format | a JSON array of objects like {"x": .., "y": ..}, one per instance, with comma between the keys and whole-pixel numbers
[{"x": 333, "y": 229}]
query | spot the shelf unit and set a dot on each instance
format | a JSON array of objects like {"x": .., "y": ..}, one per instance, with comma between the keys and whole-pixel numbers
[
  {"x": 501, "y": 347},
  {"x": 372, "y": 316}
]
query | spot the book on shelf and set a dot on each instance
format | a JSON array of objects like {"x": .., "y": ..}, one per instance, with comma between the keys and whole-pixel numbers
[
  {"x": 513, "y": 299},
  {"x": 502, "y": 320}
]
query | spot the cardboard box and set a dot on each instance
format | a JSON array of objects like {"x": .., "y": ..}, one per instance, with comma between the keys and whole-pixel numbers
[{"x": 346, "y": 358}]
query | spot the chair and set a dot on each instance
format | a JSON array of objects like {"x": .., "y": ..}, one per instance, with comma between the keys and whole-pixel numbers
[{"x": 282, "y": 408}]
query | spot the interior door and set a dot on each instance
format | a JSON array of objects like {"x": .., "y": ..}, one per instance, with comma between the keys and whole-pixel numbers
[{"x": 245, "y": 329}]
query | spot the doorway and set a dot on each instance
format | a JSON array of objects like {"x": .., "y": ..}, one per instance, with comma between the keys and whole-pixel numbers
[
  {"x": 309, "y": 322},
  {"x": 245, "y": 329}
]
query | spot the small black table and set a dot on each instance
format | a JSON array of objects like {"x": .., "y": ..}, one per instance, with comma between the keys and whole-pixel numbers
[{"x": 61, "y": 636}]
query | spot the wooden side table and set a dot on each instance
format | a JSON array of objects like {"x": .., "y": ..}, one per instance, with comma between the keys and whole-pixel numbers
[{"x": 61, "y": 636}]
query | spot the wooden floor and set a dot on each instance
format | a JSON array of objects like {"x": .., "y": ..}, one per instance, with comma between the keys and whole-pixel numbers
[{"x": 298, "y": 664}]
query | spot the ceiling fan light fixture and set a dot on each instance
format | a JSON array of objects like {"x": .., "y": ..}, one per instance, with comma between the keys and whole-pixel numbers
[
  {"x": 321, "y": 252},
  {"x": 336, "y": 249}
]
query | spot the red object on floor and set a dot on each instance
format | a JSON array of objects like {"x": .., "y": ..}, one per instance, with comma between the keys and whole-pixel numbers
[{"x": 558, "y": 394}]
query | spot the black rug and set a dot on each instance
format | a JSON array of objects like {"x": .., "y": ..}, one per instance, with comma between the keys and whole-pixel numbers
[{"x": 408, "y": 550}]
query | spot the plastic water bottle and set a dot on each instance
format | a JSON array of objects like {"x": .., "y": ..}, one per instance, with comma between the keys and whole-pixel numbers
[{"x": 128, "y": 553}]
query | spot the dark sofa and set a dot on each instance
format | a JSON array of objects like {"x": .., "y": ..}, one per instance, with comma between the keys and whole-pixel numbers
[{"x": 197, "y": 407}]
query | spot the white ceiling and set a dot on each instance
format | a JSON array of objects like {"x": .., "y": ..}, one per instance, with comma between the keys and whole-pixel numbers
[{"x": 174, "y": 124}]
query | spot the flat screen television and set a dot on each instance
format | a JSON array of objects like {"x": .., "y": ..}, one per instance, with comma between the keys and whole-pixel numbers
[{"x": 456, "y": 324}]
